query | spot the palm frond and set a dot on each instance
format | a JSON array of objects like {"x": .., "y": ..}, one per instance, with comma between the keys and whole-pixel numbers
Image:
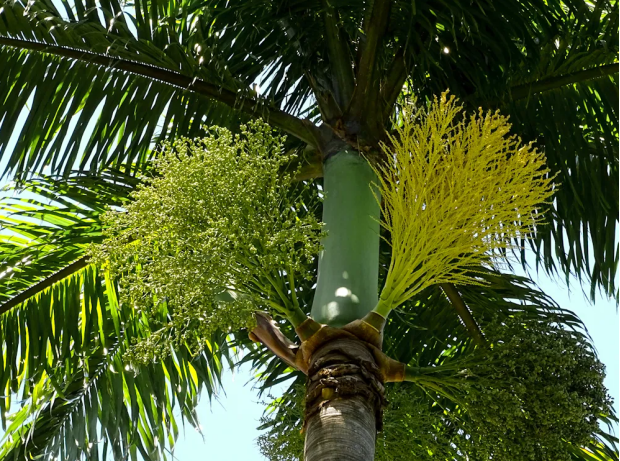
[
  {"x": 50, "y": 222},
  {"x": 578, "y": 127},
  {"x": 74, "y": 393},
  {"x": 137, "y": 75},
  {"x": 128, "y": 114},
  {"x": 568, "y": 104},
  {"x": 64, "y": 383}
]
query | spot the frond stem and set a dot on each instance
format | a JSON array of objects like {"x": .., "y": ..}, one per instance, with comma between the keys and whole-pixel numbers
[
  {"x": 552, "y": 83},
  {"x": 339, "y": 56},
  {"x": 301, "y": 129},
  {"x": 44, "y": 284},
  {"x": 464, "y": 313},
  {"x": 377, "y": 25},
  {"x": 396, "y": 77}
]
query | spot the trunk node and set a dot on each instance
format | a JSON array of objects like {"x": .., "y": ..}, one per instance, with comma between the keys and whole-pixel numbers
[
  {"x": 347, "y": 367},
  {"x": 345, "y": 397}
]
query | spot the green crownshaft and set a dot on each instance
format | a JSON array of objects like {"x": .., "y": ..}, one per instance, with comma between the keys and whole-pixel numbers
[{"x": 347, "y": 286}]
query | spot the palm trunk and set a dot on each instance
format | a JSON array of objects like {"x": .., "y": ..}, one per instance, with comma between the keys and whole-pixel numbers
[
  {"x": 344, "y": 399},
  {"x": 343, "y": 431},
  {"x": 345, "y": 394}
]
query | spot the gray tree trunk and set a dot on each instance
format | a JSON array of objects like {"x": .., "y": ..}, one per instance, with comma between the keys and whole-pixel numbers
[{"x": 344, "y": 399}]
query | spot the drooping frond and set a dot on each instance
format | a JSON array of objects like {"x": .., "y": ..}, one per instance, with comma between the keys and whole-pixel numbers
[
  {"x": 47, "y": 223},
  {"x": 65, "y": 386},
  {"x": 568, "y": 104},
  {"x": 66, "y": 389},
  {"x": 36, "y": 86},
  {"x": 454, "y": 193},
  {"x": 577, "y": 126},
  {"x": 135, "y": 77}
]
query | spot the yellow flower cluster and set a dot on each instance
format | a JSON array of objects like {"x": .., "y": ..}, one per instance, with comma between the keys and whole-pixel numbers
[{"x": 456, "y": 191}]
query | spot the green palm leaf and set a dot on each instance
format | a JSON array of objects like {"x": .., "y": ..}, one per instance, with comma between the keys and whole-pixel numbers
[
  {"x": 64, "y": 383},
  {"x": 49, "y": 225},
  {"x": 76, "y": 393},
  {"x": 580, "y": 235},
  {"x": 169, "y": 65}
]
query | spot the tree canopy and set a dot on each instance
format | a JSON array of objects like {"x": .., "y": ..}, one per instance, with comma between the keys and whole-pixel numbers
[{"x": 90, "y": 90}]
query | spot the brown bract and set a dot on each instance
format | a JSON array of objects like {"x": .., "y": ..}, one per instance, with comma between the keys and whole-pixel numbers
[
  {"x": 268, "y": 333},
  {"x": 367, "y": 331}
]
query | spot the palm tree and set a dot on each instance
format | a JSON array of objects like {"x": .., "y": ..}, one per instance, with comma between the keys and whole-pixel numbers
[{"x": 90, "y": 89}]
